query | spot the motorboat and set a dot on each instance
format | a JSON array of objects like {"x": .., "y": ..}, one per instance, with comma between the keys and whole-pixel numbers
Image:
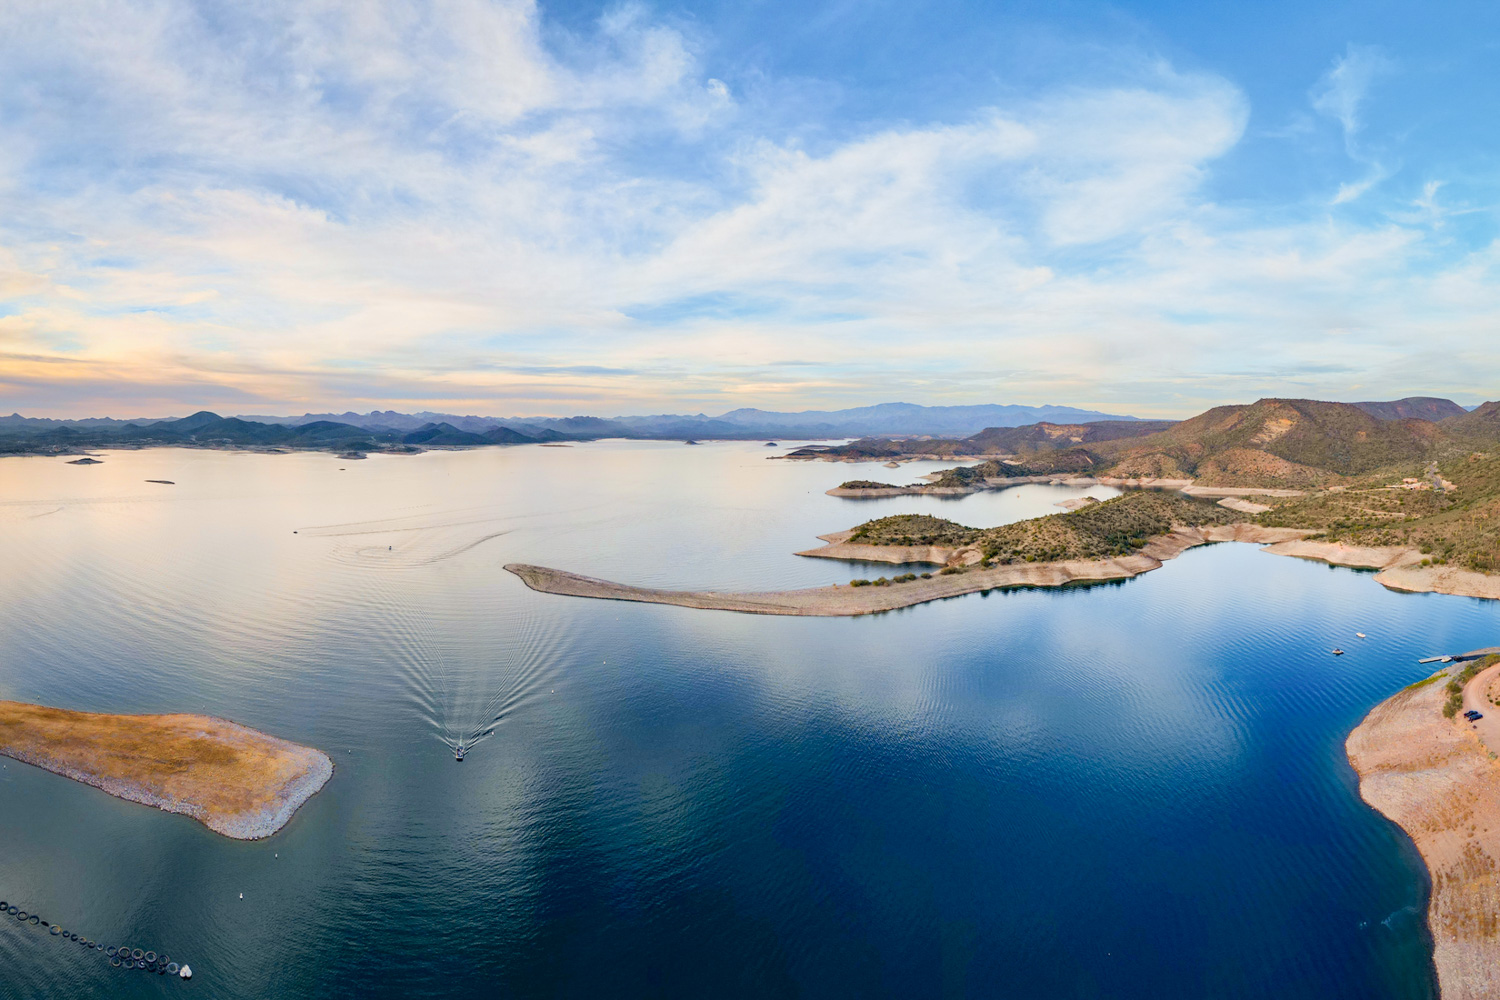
[{"x": 458, "y": 754}]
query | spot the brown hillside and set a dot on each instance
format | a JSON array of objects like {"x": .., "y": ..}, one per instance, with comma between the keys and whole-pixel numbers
[{"x": 1311, "y": 440}]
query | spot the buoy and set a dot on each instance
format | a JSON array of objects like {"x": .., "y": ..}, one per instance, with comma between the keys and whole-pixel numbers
[
  {"x": 172, "y": 968},
  {"x": 187, "y": 972},
  {"x": 114, "y": 963},
  {"x": 110, "y": 951},
  {"x": 20, "y": 915},
  {"x": 35, "y": 920},
  {"x": 151, "y": 956},
  {"x": 55, "y": 931}
]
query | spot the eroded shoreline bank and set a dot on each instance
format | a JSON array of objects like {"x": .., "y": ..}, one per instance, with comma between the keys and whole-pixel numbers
[
  {"x": 1436, "y": 779},
  {"x": 235, "y": 780}
]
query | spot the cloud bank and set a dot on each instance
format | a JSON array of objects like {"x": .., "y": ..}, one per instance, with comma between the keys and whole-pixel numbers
[{"x": 462, "y": 205}]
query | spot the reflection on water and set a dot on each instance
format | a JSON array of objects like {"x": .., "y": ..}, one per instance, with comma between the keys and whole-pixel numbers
[{"x": 1120, "y": 791}]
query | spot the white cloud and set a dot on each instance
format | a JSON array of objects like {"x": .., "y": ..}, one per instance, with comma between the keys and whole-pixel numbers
[
  {"x": 320, "y": 204},
  {"x": 1341, "y": 92}
]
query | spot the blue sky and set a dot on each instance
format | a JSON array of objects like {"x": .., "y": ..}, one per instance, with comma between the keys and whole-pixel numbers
[{"x": 512, "y": 208}]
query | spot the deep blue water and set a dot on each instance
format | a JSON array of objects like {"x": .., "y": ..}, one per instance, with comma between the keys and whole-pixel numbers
[{"x": 1130, "y": 790}]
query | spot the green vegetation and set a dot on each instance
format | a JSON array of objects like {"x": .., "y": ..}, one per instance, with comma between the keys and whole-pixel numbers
[
  {"x": 1343, "y": 455},
  {"x": 1349, "y": 460},
  {"x": 1458, "y": 527},
  {"x": 1116, "y": 527},
  {"x": 1065, "y": 462},
  {"x": 1456, "y": 685},
  {"x": 883, "y": 582},
  {"x": 1425, "y": 681},
  {"x": 866, "y": 484},
  {"x": 913, "y": 529}
]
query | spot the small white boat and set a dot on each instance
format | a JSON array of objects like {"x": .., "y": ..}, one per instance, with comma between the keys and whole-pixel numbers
[
  {"x": 1360, "y": 635},
  {"x": 458, "y": 754}
]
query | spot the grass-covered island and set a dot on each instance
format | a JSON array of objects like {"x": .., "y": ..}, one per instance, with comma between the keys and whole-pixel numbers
[
  {"x": 236, "y": 781},
  {"x": 1118, "y": 527}
]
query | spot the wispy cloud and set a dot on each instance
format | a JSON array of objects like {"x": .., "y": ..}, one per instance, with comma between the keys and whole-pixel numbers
[
  {"x": 395, "y": 203},
  {"x": 1343, "y": 90}
]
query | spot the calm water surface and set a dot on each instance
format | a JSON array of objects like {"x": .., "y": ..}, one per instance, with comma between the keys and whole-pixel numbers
[{"x": 1133, "y": 790}]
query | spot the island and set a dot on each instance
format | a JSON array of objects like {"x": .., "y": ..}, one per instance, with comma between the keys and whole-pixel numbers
[
  {"x": 1434, "y": 773},
  {"x": 236, "y": 781}
]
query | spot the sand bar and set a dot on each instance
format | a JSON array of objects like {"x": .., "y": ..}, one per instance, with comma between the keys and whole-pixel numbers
[
  {"x": 1437, "y": 780},
  {"x": 844, "y": 600},
  {"x": 234, "y": 780}
]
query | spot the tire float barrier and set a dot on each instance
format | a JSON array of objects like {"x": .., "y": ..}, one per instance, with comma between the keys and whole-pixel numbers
[{"x": 120, "y": 956}]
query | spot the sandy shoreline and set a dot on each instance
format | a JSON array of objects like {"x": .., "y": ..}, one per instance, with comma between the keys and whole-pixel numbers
[
  {"x": 1436, "y": 779},
  {"x": 844, "y": 600},
  {"x": 1400, "y": 570},
  {"x": 235, "y": 780}
]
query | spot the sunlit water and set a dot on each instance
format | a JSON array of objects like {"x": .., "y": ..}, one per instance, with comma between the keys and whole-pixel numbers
[{"x": 1133, "y": 790}]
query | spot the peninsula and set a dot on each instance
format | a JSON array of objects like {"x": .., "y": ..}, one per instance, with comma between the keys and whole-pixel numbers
[
  {"x": 1115, "y": 540},
  {"x": 236, "y": 781},
  {"x": 868, "y": 597},
  {"x": 1434, "y": 774}
]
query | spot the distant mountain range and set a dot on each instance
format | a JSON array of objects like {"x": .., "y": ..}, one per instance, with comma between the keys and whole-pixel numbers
[
  {"x": 1270, "y": 442},
  {"x": 388, "y": 429},
  {"x": 864, "y": 421}
]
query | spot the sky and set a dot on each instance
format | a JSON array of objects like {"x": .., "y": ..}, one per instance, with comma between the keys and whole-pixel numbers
[{"x": 507, "y": 208}]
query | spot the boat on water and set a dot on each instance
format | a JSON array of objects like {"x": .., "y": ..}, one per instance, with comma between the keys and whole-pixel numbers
[
  {"x": 458, "y": 754},
  {"x": 1338, "y": 652}
]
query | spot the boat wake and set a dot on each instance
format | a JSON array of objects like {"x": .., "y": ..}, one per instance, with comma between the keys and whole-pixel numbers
[{"x": 467, "y": 672}]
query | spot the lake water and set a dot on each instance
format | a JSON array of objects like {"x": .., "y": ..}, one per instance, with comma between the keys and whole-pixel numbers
[{"x": 1131, "y": 790}]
